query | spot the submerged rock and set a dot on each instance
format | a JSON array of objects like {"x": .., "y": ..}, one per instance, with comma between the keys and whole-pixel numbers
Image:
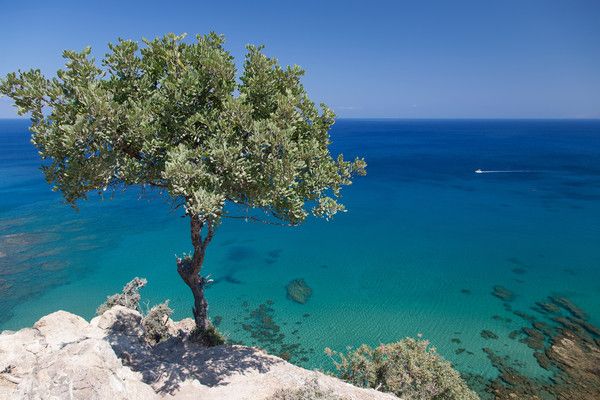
[
  {"x": 525, "y": 316},
  {"x": 514, "y": 334},
  {"x": 534, "y": 339},
  {"x": 547, "y": 308},
  {"x": 503, "y": 293},
  {"x": 487, "y": 334},
  {"x": 566, "y": 304},
  {"x": 567, "y": 345},
  {"x": 264, "y": 331},
  {"x": 298, "y": 291}
]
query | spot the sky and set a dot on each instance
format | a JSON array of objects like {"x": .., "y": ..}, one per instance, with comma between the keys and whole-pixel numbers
[{"x": 365, "y": 59}]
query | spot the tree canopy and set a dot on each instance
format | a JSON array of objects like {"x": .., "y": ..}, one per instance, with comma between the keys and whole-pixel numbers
[{"x": 174, "y": 114}]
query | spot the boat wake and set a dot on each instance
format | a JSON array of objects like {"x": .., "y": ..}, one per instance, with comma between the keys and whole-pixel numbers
[{"x": 512, "y": 171}]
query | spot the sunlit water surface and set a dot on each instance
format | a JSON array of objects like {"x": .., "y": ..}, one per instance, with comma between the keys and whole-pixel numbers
[{"x": 423, "y": 244}]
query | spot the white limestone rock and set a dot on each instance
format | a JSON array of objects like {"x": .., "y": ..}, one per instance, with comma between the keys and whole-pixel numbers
[{"x": 65, "y": 357}]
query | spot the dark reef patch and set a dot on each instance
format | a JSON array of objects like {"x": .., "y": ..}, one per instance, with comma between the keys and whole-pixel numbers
[
  {"x": 534, "y": 339},
  {"x": 298, "y": 291},
  {"x": 503, "y": 293},
  {"x": 569, "y": 306},
  {"x": 264, "y": 332},
  {"x": 565, "y": 343},
  {"x": 525, "y": 316},
  {"x": 513, "y": 335},
  {"x": 487, "y": 334},
  {"x": 232, "y": 279},
  {"x": 34, "y": 260},
  {"x": 546, "y": 307},
  {"x": 229, "y": 278}
]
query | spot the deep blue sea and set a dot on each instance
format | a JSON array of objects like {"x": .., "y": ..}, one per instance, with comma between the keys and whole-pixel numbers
[{"x": 423, "y": 244}]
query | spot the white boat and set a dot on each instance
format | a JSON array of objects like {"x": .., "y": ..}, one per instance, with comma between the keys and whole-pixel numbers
[{"x": 478, "y": 171}]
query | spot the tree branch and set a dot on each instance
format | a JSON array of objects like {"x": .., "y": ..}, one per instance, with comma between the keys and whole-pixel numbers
[
  {"x": 130, "y": 152},
  {"x": 159, "y": 184},
  {"x": 196, "y": 225},
  {"x": 209, "y": 234},
  {"x": 255, "y": 219}
]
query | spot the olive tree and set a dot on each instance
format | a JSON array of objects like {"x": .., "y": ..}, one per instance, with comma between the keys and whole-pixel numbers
[{"x": 175, "y": 115}]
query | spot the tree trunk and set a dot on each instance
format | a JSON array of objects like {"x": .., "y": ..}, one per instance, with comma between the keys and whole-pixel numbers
[
  {"x": 196, "y": 284},
  {"x": 189, "y": 269}
]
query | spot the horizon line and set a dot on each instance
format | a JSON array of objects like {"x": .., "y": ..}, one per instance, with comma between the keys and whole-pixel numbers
[{"x": 428, "y": 118}]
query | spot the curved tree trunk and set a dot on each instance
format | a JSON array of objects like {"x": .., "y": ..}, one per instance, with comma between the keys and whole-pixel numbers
[
  {"x": 189, "y": 269},
  {"x": 196, "y": 283}
]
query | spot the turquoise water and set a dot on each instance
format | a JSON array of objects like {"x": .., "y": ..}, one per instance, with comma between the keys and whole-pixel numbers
[{"x": 423, "y": 244}]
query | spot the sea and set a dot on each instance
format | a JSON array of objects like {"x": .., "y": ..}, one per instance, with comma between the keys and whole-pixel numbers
[{"x": 449, "y": 212}]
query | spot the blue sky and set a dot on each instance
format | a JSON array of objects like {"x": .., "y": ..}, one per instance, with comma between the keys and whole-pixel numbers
[{"x": 397, "y": 59}]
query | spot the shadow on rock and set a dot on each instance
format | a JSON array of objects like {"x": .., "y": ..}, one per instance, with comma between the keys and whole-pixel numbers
[{"x": 167, "y": 365}]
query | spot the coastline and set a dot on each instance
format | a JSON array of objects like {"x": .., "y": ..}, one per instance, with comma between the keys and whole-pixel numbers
[
  {"x": 430, "y": 266},
  {"x": 64, "y": 356}
]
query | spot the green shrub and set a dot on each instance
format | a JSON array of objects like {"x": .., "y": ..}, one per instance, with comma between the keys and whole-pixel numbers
[
  {"x": 208, "y": 337},
  {"x": 410, "y": 369},
  {"x": 155, "y": 323},
  {"x": 310, "y": 391},
  {"x": 129, "y": 297}
]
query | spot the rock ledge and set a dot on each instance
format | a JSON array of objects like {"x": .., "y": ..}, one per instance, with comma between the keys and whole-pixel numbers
[{"x": 64, "y": 357}]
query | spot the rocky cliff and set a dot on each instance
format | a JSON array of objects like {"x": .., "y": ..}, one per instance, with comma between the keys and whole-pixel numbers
[{"x": 64, "y": 357}]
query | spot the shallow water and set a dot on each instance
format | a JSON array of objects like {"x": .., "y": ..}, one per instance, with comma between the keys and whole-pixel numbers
[{"x": 423, "y": 244}]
